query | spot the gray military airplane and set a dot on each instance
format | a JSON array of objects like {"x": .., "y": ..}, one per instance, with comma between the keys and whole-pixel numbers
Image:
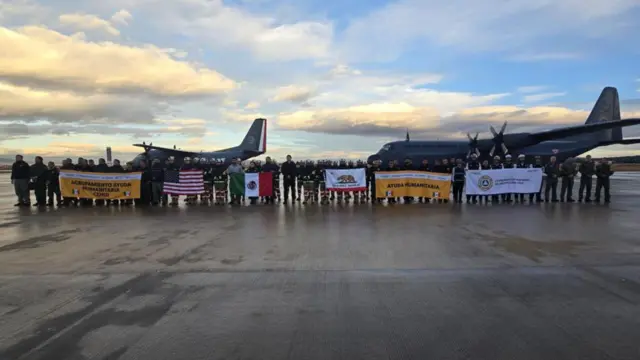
[
  {"x": 602, "y": 128},
  {"x": 254, "y": 144}
]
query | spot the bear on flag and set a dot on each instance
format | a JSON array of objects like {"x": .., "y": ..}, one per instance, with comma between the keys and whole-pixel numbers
[{"x": 251, "y": 184}]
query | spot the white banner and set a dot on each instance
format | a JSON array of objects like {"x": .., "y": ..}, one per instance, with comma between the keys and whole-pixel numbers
[
  {"x": 346, "y": 179},
  {"x": 503, "y": 181}
]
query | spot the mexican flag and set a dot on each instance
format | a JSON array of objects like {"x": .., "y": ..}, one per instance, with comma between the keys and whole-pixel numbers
[{"x": 252, "y": 184}]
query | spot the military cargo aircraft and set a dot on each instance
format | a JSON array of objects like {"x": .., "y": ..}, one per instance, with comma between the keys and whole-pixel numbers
[
  {"x": 254, "y": 144},
  {"x": 602, "y": 128}
]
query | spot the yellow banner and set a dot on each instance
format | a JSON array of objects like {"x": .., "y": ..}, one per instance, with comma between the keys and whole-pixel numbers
[
  {"x": 104, "y": 186},
  {"x": 412, "y": 183}
]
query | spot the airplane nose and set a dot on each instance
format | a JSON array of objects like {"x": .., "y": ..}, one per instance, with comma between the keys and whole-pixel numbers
[{"x": 373, "y": 158}]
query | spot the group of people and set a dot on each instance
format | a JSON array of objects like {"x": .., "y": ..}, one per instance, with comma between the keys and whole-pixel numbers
[{"x": 304, "y": 181}]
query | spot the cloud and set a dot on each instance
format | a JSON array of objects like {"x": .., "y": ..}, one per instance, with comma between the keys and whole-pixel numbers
[
  {"x": 242, "y": 116},
  {"x": 267, "y": 37},
  {"x": 19, "y": 102},
  {"x": 294, "y": 94},
  {"x": 531, "y": 89},
  {"x": 542, "y": 97},
  {"x": 45, "y": 58},
  {"x": 552, "y": 56},
  {"x": 122, "y": 17},
  {"x": 491, "y": 26},
  {"x": 87, "y": 22},
  {"x": 252, "y": 105}
]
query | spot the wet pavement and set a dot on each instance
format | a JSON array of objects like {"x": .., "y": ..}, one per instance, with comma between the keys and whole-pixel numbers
[{"x": 549, "y": 281}]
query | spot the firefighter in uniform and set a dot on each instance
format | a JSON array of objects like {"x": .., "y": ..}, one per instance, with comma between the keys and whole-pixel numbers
[
  {"x": 495, "y": 199},
  {"x": 333, "y": 165},
  {"x": 371, "y": 176},
  {"x": 508, "y": 164},
  {"x": 521, "y": 164},
  {"x": 320, "y": 182},
  {"x": 208, "y": 181},
  {"x": 276, "y": 183},
  {"x": 485, "y": 166},
  {"x": 171, "y": 165},
  {"x": 603, "y": 173},
  {"x": 538, "y": 165},
  {"x": 587, "y": 170},
  {"x": 568, "y": 173},
  {"x": 220, "y": 180},
  {"x": 297, "y": 180},
  {"x": 348, "y": 195},
  {"x": 552, "y": 169},
  {"x": 307, "y": 176},
  {"x": 361, "y": 195},
  {"x": 473, "y": 165},
  {"x": 408, "y": 166}
]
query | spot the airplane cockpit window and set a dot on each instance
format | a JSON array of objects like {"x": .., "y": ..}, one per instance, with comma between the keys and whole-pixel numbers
[{"x": 386, "y": 147}]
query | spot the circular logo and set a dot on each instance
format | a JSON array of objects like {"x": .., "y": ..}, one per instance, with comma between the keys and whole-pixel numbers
[
  {"x": 251, "y": 140},
  {"x": 252, "y": 185},
  {"x": 485, "y": 183}
]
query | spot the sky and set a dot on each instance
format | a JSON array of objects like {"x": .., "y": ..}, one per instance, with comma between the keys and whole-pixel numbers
[{"x": 335, "y": 79}]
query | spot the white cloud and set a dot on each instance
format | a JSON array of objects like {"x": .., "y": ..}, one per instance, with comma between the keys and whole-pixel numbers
[
  {"x": 531, "y": 89},
  {"x": 293, "y": 93},
  {"x": 86, "y": 22},
  {"x": 17, "y": 102},
  {"x": 46, "y": 58},
  {"x": 550, "y": 56},
  {"x": 122, "y": 17},
  {"x": 542, "y": 96},
  {"x": 252, "y": 105},
  {"x": 266, "y": 37}
]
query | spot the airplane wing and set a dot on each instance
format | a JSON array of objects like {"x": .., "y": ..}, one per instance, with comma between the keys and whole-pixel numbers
[
  {"x": 169, "y": 151},
  {"x": 581, "y": 129}
]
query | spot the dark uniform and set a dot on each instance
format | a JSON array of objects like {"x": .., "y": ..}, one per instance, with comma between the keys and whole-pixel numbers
[
  {"x": 53, "y": 185},
  {"x": 117, "y": 168},
  {"x": 495, "y": 199},
  {"x": 392, "y": 167},
  {"x": 321, "y": 183},
  {"x": 145, "y": 187},
  {"x": 508, "y": 164},
  {"x": 408, "y": 166},
  {"x": 83, "y": 166},
  {"x": 298, "y": 180},
  {"x": 458, "y": 174},
  {"x": 521, "y": 164},
  {"x": 289, "y": 170},
  {"x": 371, "y": 179},
  {"x": 553, "y": 171},
  {"x": 472, "y": 165},
  {"x": 568, "y": 173},
  {"x": 485, "y": 166},
  {"x": 102, "y": 167},
  {"x": 587, "y": 170},
  {"x": 20, "y": 175},
  {"x": 39, "y": 181},
  {"x": 157, "y": 182},
  {"x": 538, "y": 195},
  {"x": 308, "y": 180},
  {"x": 220, "y": 183},
  {"x": 603, "y": 173}
]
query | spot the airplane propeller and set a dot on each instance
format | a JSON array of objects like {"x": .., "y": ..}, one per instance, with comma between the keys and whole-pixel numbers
[
  {"x": 498, "y": 140},
  {"x": 473, "y": 145}
]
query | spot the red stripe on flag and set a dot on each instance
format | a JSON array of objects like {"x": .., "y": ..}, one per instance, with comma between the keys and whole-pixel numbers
[{"x": 266, "y": 184}]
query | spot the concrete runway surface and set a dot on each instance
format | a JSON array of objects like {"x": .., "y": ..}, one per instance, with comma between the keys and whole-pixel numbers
[{"x": 549, "y": 281}]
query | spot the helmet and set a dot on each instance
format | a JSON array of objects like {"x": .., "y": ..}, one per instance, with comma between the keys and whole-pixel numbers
[
  {"x": 508, "y": 157},
  {"x": 497, "y": 157},
  {"x": 195, "y": 159},
  {"x": 521, "y": 156},
  {"x": 203, "y": 160},
  {"x": 187, "y": 159}
]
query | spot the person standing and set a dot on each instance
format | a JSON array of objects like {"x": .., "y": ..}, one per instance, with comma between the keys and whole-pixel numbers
[
  {"x": 157, "y": 182},
  {"x": 603, "y": 173},
  {"x": 496, "y": 165},
  {"x": 269, "y": 166},
  {"x": 234, "y": 168},
  {"x": 20, "y": 175},
  {"x": 53, "y": 184},
  {"x": 568, "y": 173},
  {"x": 289, "y": 170},
  {"x": 472, "y": 165},
  {"x": 538, "y": 196},
  {"x": 587, "y": 170},
  {"x": 552, "y": 170},
  {"x": 458, "y": 182},
  {"x": 39, "y": 179},
  {"x": 521, "y": 164}
]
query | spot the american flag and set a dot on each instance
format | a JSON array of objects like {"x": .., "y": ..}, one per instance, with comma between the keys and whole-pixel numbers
[{"x": 183, "y": 182}]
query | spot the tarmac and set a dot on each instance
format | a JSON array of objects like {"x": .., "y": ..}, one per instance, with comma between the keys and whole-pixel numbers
[{"x": 420, "y": 281}]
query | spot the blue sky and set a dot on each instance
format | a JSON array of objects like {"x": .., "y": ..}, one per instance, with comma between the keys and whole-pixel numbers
[{"x": 334, "y": 78}]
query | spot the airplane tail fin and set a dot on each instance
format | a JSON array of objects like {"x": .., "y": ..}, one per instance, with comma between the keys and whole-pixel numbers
[
  {"x": 256, "y": 138},
  {"x": 606, "y": 109}
]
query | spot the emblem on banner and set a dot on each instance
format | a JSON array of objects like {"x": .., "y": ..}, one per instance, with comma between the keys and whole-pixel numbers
[
  {"x": 252, "y": 185},
  {"x": 436, "y": 195},
  {"x": 389, "y": 193},
  {"x": 127, "y": 193},
  {"x": 346, "y": 179},
  {"x": 76, "y": 192},
  {"x": 485, "y": 183}
]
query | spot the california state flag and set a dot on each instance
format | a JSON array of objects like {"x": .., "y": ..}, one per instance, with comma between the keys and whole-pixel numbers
[{"x": 252, "y": 184}]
